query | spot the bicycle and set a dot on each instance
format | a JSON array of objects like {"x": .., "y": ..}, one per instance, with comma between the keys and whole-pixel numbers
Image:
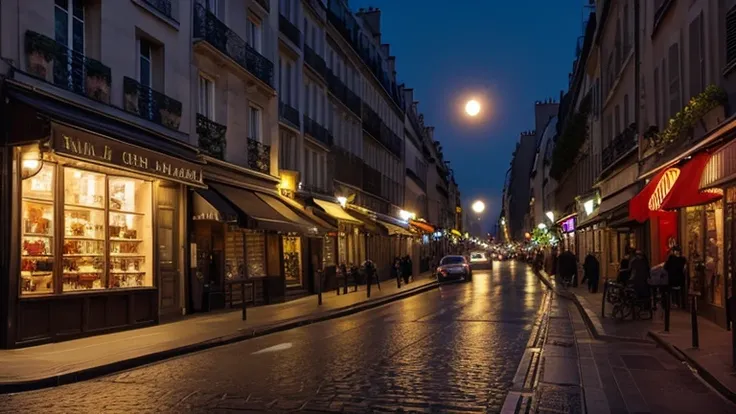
[{"x": 626, "y": 303}]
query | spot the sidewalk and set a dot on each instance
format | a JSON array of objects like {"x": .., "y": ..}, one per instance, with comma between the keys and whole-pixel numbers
[
  {"x": 713, "y": 359},
  {"x": 59, "y": 363}
]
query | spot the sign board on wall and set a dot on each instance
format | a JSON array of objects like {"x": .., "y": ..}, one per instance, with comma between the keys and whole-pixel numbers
[{"x": 568, "y": 226}]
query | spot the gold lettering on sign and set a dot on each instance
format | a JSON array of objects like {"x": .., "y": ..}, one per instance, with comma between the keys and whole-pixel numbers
[
  {"x": 135, "y": 160},
  {"x": 86, "y": 149}
]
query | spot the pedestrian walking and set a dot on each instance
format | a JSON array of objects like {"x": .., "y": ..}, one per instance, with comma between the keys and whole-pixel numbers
[
  {"x": 675, "y": 267},
  {"x": 567, "y": 268},
  {"x": 640, "y": 271},
  {"x": 396, "y": 270},
  {"x": 369, "y": 270},
  {"x": 592, "y": 272},
  {"x": 624, "y": 268},
  {"x": 407, "y": 269}
]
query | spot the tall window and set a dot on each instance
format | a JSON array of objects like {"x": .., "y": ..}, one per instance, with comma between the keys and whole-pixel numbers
[
  {"x": 287, "y": 9},
  {"x": 254, "y": 123},
  {"x": 69, "y": 24},
  {"x": 674, "y": 78},
  {"x": 206, "y": 96},
  {"x": 211, "y": 6},
  {"x": 731, "y": 37},
  {"x": 145, "y": 65},
  {"x": 657, "y": 105},
  {"x": 626, "y": 35},
  {"x": 254, "y": 34}
]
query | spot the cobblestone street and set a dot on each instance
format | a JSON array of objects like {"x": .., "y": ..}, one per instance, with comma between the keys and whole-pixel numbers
[{"x": 452, "y": 349}]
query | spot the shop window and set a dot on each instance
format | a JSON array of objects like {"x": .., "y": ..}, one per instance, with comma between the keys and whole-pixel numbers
[
  {"x": 694, "y": 246},
  {"x": 126, "y": 245},
  {"x": 234, "y": 254},
  {"x": 255, "y": 253},
  {"x": 328, "y": 252},
  {"x": 714, "y": 253},
  {"x": 293, "y": 260},
  {"x": 37, "y": 255}
]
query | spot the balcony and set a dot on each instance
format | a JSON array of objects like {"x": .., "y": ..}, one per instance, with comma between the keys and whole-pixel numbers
[
  {"x": 67, "y": 69},
  {"x": 163, "y": 6},
  {"x": 209, "y": 28},
  {"x": 371, "y": 121},
  {"x": 620, "y": 146},
  {"x": 290, "y": 30},
  {"x": 443, "y": 191},
  {"x": 289, "y": 114},
  {"x": 211, "y": 137},
  {"x": 317, "y": 131},
  {"x": 315, "y": 61},
  {"x": 265, "y": 4},
  {"x": 417, "y": 180},
  {"x": 343, "y": 93},
  {"x": 151, "y": 105},
  {"x": 344, "y": 22},
  {"x": 259, "y": 156},
  {"x": 371, "y": 180},
  {"x": 390, "y": 140},
  {"x": 348, "y": 167}
]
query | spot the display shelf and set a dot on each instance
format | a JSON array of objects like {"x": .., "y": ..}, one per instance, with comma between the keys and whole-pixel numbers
[
  {"x": 123, "y": 240},
  {"x": 126, "y": 272},
  {"x": 81, "y": 207},
  {"x": 84, "y": 238},
  {"x": 37, "y": 255},
  {"x": 36, "y": 272},
  {"x": 45, "y": 236},
  {"x": 127, "y": 255},
  {"x": 128, "y": 213},
  {"x": 80, "y": 272},
  {"x": 38, "y": 200},
  {"x": 84, "y": 255}
]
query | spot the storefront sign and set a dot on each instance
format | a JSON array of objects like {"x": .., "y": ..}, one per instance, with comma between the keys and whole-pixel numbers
[
  {"x": 568, "y": 226},
  {"x": 95, "y": 148}
]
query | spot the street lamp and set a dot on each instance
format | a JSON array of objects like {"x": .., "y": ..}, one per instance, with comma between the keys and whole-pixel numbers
[
  {"x": 478, "y": 206},
  {"x": 541, "y": 226},
  {"x": 550, "y": 216},
  {"x": 343, "y": 201},
  {"x": 406, "y": 216}
]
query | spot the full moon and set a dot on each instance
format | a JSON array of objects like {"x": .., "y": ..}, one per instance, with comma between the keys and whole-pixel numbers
[{"x": 472, "y": 108}]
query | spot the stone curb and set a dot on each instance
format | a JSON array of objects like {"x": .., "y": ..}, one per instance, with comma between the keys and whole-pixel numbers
[
  {"x": 676, "y": 352},
  {"x": 107, "y": 369},
  {"x": 589, "y": 316}
]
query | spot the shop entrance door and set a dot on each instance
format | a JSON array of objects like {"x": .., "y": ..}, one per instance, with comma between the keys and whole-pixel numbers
[{"x": 168, "y": 254}]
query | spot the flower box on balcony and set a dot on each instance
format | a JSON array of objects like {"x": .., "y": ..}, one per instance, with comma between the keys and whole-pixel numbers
[
  {"x": 40, "y": 51},
  {"x": 150, "y": 104}
]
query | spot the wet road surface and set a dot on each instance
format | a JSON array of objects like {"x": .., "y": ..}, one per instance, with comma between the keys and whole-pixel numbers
[{"x": 451, "y": 349}]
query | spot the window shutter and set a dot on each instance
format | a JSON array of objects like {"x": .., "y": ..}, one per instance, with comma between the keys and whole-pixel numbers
[
  {"x": 694, "y": 57},
  {"x": 674, "y": 78},
  {"x": 731, "y": 37}
]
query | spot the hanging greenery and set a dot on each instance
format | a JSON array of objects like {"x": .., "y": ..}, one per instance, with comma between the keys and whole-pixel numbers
[
  {"x": 570, "y": 140},
  {"x": 546, "y": 237},
  {"x": 683, "y": 121}
]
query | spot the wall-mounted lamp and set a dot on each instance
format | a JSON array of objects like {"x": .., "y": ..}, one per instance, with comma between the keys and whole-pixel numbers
[
  {"x": 343, "y": 201},
  {"x": 31, "y": 161},
  {"x": 550, "y": 216},
  {"x": 406, "y": 216}
]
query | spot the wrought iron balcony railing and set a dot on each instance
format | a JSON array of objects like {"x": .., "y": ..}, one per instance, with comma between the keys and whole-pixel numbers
[
  {"x": 315, "y": 61},
  {"x": 289, "y": 114},
  {"x": 390, "y": 140},
  {"x": 259, "y": 156},
  {"x": 348, "y": 167},
  {"x": 150, "y": 104},
  {"x": 209, "y": 28},
  {"x": 265, "y": 4},
  {"x": 343, "y": 93},
  {"x": 371, "y": 121},
  {"x": 290, "y": 30},
  {"x": 163, "y": 6},
  {"x": 66, "y": 68},
  {"x": 211, "y": 137},
  {"x": 317, "y": 131},
  {"x": 371, "y": 180},
  {"x": 620, "y": 146}
]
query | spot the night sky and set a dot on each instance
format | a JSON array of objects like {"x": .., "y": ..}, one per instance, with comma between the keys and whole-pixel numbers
[{"x": 510, "y": 53}]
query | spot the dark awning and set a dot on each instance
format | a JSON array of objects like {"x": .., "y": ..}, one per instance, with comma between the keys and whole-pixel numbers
[
  {"x": 293, "y": 216},
  {"x": 257, "y": 214},
  {"x": 208, "y": 205},
  {"x": 25, "y": 104},
  {"x": 369, "y": 223}
]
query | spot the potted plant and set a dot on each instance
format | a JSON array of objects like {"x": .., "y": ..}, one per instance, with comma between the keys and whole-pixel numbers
[
  {"x": 97, "y": 81},
  {"x": 40, "y": 54},
  {"x": 131, "y": 94}
]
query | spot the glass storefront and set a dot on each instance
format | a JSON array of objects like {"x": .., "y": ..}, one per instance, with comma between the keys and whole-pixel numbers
[
  {"x": 106, "y": 231},
  {"x": 293, "y": 260},
  {"x": 245, "y": 253},
  {"x": 704, "y": 250}
]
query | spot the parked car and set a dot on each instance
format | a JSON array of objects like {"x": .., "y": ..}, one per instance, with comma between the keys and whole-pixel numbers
[
  {"x": 454, "y": 267},
  {"x": 480, "y": 259}
]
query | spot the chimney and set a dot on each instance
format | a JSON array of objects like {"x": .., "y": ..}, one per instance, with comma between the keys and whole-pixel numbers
[
  {"x": 409, "y": 95},
  {"x": 391, "y": 65},
  {"x": 372, "y": 18},
  {"x": 430, "y": 133}
]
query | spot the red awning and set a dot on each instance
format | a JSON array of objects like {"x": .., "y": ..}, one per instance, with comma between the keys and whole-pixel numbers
[
  {"x": 422, "y": 226},
  {"x": 639, "y": 205},
  {"x": 673, "y": 188},
  {"x": 685, "y": 192}
]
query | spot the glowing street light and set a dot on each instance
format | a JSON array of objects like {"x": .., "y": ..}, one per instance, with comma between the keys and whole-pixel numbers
[
  {"x": 343, "y": 201},
  {"x": 406, "y": 216},
  {"x": 550, "y": 216},
  {"x": 472, "y": 108},
  {"x": 478, "y": 206},
  {"x": 541, "y": 226}
]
